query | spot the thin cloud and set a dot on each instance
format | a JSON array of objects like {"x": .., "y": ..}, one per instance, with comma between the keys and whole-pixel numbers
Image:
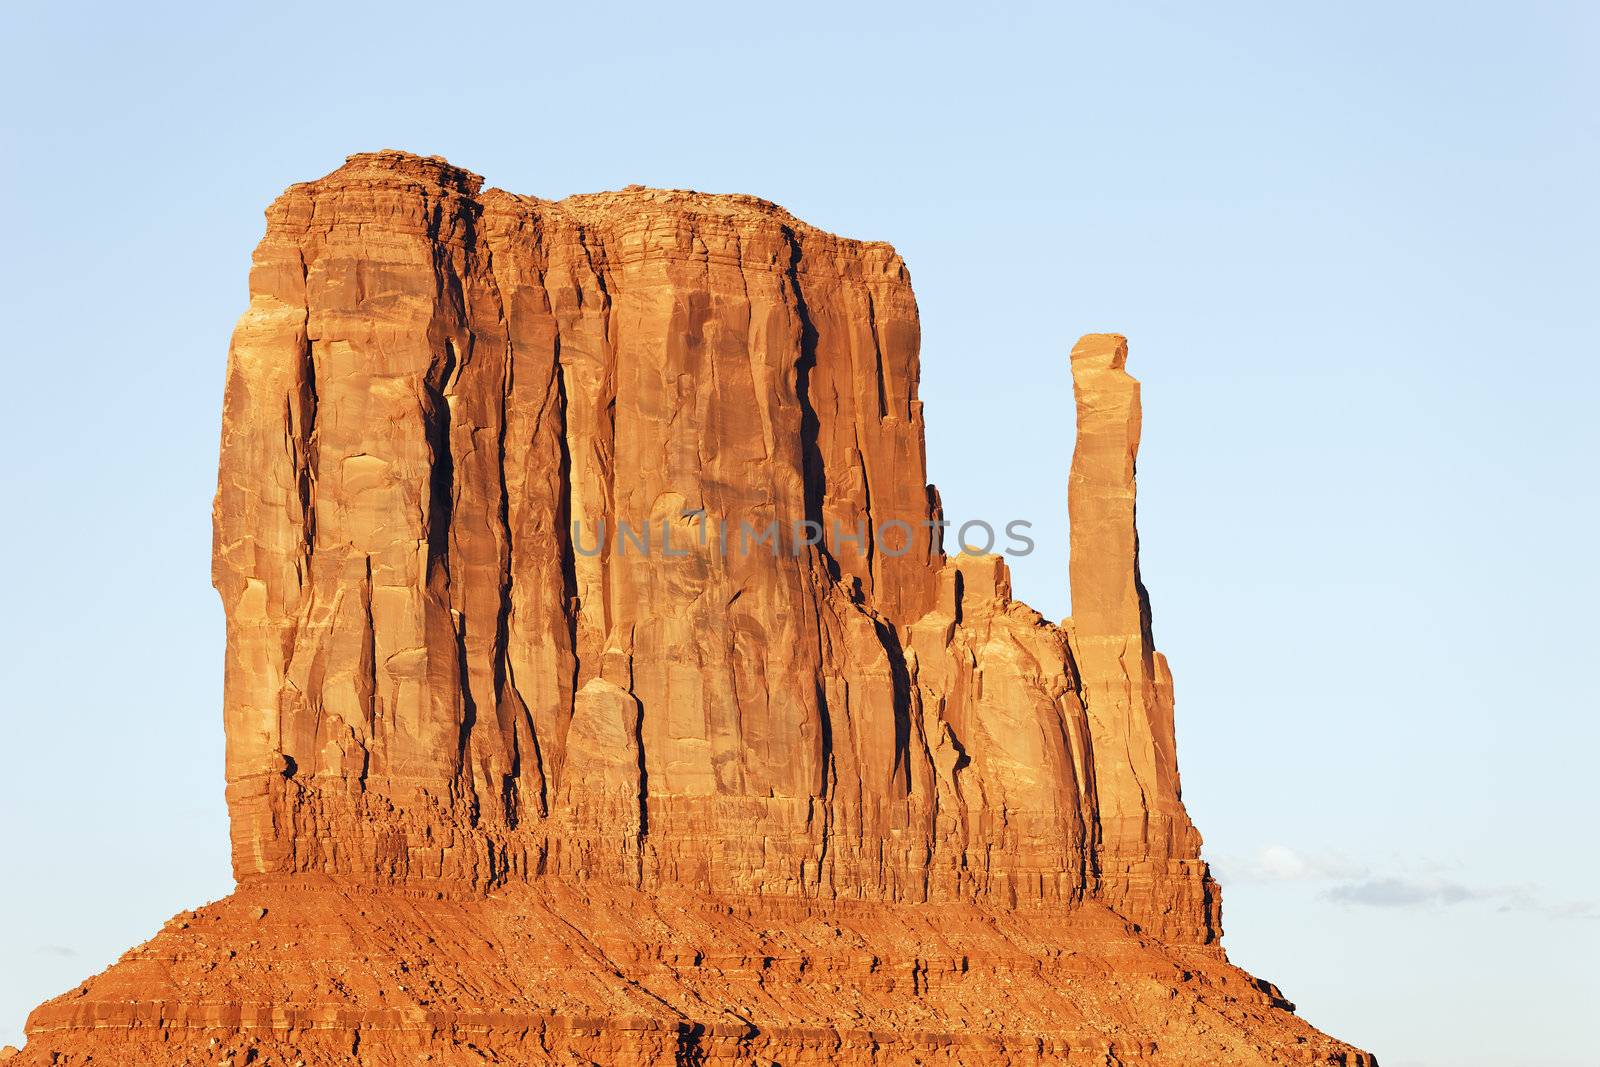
[
  {"x": 1403, "y": 892},
  {"x": 1569, "y": 909},
  {"x": 57, "y": 950},
  {"x": 1350, "y": 883}
]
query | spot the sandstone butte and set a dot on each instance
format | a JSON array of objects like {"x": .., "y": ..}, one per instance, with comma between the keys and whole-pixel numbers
[{"x": 498, "y": 798}]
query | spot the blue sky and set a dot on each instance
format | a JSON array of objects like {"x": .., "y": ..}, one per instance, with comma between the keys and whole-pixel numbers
[{"x": 1353, "y": 247}]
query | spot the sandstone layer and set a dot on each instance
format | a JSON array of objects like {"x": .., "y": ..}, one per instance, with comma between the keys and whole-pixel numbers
[{"x": 599, "y": 689}]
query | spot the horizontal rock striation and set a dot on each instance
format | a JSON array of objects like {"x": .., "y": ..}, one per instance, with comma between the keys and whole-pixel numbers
[
  {"x": 591, "y": 973},
  {"x": 599, "y": 690}
]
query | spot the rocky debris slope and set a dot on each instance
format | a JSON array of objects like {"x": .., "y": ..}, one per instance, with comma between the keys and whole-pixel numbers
[{"x": 598, "y": 688}]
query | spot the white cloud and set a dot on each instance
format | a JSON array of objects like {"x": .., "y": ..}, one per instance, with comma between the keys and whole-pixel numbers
[{"x": 1280, "y": 863}]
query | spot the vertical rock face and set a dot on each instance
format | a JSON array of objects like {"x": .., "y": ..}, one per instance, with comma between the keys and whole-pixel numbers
[
  {"x": 498, "y": 473},
  {"x": 583, "y": 582}
]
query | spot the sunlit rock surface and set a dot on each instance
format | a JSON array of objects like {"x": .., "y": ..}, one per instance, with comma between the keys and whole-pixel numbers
[{"x": 599, "y": 691}]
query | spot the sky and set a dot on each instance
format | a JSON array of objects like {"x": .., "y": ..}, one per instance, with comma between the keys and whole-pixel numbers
[{"x": 1353, "y": 247}]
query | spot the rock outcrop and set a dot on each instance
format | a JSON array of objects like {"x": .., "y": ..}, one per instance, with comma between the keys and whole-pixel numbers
[{"x": 599, "y": 688}]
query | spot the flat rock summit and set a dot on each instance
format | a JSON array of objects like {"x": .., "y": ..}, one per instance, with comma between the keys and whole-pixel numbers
[{"x": 600, "y": 689}]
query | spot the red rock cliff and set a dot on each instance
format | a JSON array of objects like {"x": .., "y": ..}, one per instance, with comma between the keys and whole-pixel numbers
[
  {"x": 449, "y": 661},
  {"x": 584, "y": 589}
]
